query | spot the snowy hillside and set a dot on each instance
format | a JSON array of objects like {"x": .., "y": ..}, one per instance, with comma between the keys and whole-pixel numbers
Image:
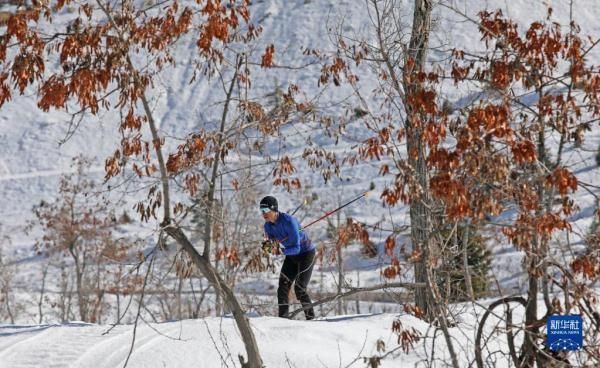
[
  {"x": 37, "y": 148},
  {"x": 195, "y": 343},
  {"x": 341, "y": 341}
]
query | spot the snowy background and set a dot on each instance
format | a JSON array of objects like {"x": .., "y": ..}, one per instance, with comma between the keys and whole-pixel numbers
[{"x": 34, "y": 154}]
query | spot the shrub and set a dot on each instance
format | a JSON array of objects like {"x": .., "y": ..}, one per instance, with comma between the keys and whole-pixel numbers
[{"x": 451, "y": 276}]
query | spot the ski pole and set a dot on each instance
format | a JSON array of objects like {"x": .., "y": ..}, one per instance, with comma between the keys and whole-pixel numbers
[
  {"x": 328, "y": 214},
  {"x": 297, "y": 208},
  {"x": 337, "y": 209}
]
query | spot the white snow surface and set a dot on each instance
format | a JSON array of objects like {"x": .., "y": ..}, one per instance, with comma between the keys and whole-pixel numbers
[
  {"x": 31, "y": 161},
  {"x": 193, "y": 343},
  {"x": 340, "y": 341}
]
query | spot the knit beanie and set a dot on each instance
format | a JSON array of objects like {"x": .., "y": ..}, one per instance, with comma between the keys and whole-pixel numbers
[{"x": 269, "y": 202}]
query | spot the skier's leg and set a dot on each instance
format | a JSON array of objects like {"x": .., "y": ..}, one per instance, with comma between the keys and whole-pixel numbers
[
  {"x": 305, "y": 267},
  {"x": 286, "y": 277}
]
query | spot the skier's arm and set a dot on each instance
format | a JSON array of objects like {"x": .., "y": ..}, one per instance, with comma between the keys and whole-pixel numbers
[
  {"x": 293, "y": 233},
  {"x": 266, "y": 233}
]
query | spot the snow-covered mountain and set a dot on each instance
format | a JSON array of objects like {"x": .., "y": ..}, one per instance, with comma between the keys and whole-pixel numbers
[{"x": 38, "y": 147}]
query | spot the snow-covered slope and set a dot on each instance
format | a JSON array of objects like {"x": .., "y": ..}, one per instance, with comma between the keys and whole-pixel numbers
[
  {"x": 32, "y": 159},
  {"x": 33, "y": 153},
  {"x": 193, "y": 343},
  {"x": 342, "y": 341}
]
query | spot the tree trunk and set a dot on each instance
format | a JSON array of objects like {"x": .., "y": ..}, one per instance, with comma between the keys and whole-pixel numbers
[
  {"x": 254, "y": 358},
  {"x": 415, "y": 57},
  {"x": 81, "y": 298},
  {"x": 531, "y": 328},
  {"x": 536, "y": 257},
  {"x": 439, "y": 312},
  {"x": 420, "y": 209},
  {"x": 179, "y": 289},
  {"x": 468, "y": 282},
  {"x": 358, "y": 286},
  {"x": 212, "y": 184},
  {"x": 42, "y": 291},
  {"x": 420, "y": 222},
  {"x": 203, "y": 261},
  {"x": 340, "y": 265}
]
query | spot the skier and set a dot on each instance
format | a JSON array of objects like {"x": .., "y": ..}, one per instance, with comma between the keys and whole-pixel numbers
[{"x": 284, "y": 229}]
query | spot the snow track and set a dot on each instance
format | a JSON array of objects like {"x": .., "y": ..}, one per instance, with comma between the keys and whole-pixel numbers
[
  {"x": 43, "y": 345},
  {"x": 31, "y": 162},
  {"x": 194, "y": 343},
  {"x": 71, "y": 345},
  {"x": 45, "y": 173}
]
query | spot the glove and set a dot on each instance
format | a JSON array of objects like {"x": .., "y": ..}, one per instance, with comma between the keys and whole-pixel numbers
[{"x": 268, "y": 245}]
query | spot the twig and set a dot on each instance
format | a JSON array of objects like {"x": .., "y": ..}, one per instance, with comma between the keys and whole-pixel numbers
[
  {"x": 137, "y": 317},
  {"x": 160, "y": 333},
  {"x": 358, "y": 356},
  {"x": 215, "y": 343},
  {"x": 289, "y": 363},
  {"x": 505, "y": 301},
  {"x": 411, "y": 285}
]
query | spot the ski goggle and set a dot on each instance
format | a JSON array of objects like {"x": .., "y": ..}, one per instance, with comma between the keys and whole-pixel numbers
[{"x": 265, "y": 209}]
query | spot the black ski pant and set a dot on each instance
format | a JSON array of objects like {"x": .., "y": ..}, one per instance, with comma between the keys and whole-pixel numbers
[{"x": 296, "y": 269}]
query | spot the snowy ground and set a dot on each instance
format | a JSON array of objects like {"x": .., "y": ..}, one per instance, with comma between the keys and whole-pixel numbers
[
  {"x": 210, "y": 342},
  {"x": 342, "y": 341},
  {"x": 31, "y": 161}
]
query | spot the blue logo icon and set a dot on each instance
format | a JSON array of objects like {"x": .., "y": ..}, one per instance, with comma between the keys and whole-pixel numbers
[{"x": 565, "y": 333}]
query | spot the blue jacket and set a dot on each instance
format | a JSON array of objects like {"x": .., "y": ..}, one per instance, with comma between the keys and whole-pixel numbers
[{"x": 286, "y": 231}]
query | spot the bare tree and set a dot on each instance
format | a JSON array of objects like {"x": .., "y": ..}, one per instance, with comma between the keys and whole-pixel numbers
[
  {"x": 511, "y": 136},
  {"x": 42, "y": 293},
  {"x": 398, "y": 57},
  {"x": 79, "y": 228},
  {"x": 100, "y": 69},
  {"x": 8, "y": 306}
]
